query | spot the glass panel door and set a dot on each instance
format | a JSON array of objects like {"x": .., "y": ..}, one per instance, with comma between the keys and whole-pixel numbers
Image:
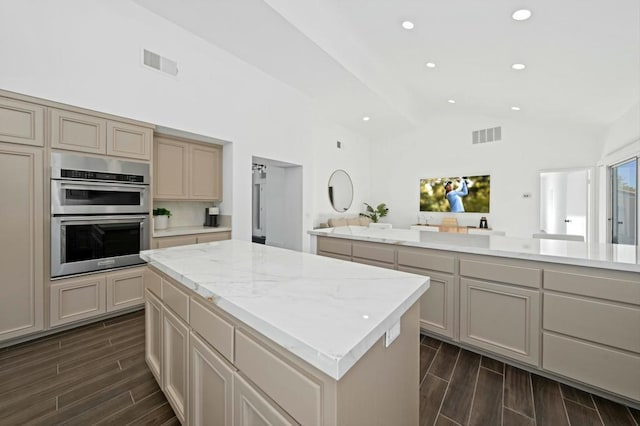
[{"x": 624, "y": 179}]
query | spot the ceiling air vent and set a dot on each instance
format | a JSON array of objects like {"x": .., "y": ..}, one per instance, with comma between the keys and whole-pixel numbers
[
  {"x": 486, "y": 135},
  {"x": 157, "y": 62}
]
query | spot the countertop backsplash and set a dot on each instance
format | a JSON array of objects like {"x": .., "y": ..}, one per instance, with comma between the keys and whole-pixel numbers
[{"x": 189, "y": 213}]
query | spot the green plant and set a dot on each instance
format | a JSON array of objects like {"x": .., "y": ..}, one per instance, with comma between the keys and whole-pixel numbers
[
  {"x": 160, "y": 211},
  {"x": 375, "y": 214}
]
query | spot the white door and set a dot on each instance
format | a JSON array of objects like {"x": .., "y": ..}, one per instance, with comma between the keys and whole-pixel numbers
[{"x": 564, "y": 202}]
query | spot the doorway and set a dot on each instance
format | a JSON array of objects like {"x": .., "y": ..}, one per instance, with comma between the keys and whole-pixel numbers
[
  {"x": 624, "y": 189},
  {"x": 276, "y": 203},
  {"x": 565, "y": 202}
]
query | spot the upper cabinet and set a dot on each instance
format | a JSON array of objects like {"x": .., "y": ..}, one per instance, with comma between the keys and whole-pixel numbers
[
  {"x": 87, "y": 133},
  {"x": 186, "y": 171},
  {"x": 21, "y": 122}
]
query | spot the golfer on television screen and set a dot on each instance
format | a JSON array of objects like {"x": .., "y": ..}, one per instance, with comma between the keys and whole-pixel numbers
[{"x": 455, "y": 197}]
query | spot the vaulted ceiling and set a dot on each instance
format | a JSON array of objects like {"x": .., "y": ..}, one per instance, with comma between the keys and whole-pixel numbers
[{"x": 354, "y": 59}]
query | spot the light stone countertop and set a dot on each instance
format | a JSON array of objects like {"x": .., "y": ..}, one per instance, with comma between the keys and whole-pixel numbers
[
  {"x": 620, "y": 257},
  {"x": 326, "y": 311},
  {"x": 187, "y": 230}
]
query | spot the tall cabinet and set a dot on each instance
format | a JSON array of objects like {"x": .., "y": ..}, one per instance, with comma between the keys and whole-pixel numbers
[{"x": 22, "y": 251}]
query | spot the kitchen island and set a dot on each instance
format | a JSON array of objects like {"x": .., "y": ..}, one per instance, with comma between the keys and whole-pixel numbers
[
  {"x": 565, "y": 309},
  {"x": 242, "y": 333}
]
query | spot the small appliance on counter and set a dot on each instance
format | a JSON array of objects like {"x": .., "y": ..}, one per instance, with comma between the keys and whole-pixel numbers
[
  {"x": 211, "y": 216},
  {"x": 483, "y": 223}
]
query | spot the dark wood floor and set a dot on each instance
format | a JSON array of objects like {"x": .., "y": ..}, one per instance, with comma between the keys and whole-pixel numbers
[
  {"x": 459, "y": 387},
  {"x": 92, "y": 374},
  {"x": 96, "y": 374}
]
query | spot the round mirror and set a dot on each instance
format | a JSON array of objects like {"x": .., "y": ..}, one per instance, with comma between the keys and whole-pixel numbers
[{"x": 340, "y": 191}]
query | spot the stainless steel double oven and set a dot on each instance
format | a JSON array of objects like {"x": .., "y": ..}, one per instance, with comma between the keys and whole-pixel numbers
[{"x": 99, "y": 213}]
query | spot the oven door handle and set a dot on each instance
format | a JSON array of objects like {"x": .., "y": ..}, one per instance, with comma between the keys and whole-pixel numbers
[
  {"x": 97, "y": 186},
  {"x": 88, "y": 220}
]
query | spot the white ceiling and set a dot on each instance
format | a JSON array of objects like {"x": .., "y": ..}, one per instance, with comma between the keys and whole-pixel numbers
[{"x": 353, "y": 58}]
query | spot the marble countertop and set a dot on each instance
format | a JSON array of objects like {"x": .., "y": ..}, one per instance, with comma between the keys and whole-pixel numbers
[
  {"x": 619, "y": 257},
  {"x": 326, "y": 311},
  {"x": 187, "y": 230}
]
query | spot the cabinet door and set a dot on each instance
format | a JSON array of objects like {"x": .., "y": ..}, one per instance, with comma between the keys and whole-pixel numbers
[
  {"x": 78, "y": 132},
  {"x": 182, "y": 240},
  {"x": 21, "y": 122},
  {"x": 22, "y": 252},
  {"x": 175, "y": 363},
  {"x": 214, "y": 236},
  {"x": 125, "y": 289},
  {"x": 500, "y": 318},
  {"x": 153, "y": 335},
  {"x": 250, "y": 408},
  {"x": 77, "y": 298},
  {"x": 127, "y": 140},
  {"x": 205, "y": 173},
  {"x": 170, "y": 176},
  {"x": 436, "y": 304},
  {"x": 211, "y": 387}
]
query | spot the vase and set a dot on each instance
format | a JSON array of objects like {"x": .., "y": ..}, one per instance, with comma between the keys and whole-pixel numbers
[{"x": 160, "y": 222}]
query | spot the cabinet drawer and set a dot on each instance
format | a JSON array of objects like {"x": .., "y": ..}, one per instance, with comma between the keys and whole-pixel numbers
[
  {"x": 519, "y": 275},
  {"x": 77, "y": 299},
  {"x": 616, "y": 289},
  {"x": 378, "y": 252},
  {"x": 606, "y": 368},
  {"x": 502, "y": 319},
  {"x": 423, "y": 259},
  {"x": 21, "y": 122},
  {"x": 214, "y": 236},
  {"x": 153, "y": 282},
  {"x": 334, "y": 245},
  {"x": 175, "y": 299},
  {"x": 127, "y": 140},
  {"x": 78, "y": 132},
  {"x": 599, "y": 322},
  {"x": 182, "y": 240},
  {"x": 374, "y": 263},
  {"x": 125, "y": 289},
  {"x": 215, "y": 330},
  {"x": 334, "y": 256},
  {"x": 296, "y": 393}
]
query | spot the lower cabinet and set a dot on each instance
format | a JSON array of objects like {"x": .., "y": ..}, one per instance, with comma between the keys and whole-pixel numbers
[
  {"x": 501, "y": 318},
  {"x": 211, "y": 387},
  {"x": 252, "y": 409},
  {"x": 185, "y": 240},
  {"x": 125, "y": 289},
  {"x": 77, "y": 299},
  {"x": 175, "y": 363},
  {"x": 153, "y": 335}
]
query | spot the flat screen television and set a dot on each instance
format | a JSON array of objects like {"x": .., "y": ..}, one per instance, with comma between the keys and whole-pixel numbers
[{"x": 470, "y": 194}]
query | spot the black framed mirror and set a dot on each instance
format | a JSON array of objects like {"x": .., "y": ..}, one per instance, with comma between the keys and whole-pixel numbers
[{"x": 340, "y": 191}]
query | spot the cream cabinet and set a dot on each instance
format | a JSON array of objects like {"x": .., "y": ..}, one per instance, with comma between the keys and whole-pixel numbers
[
  {"x": 185, "y": 240},
  {"x": 78, "y": 132},
  {"x": 153, "y": 335},
  {"x": 186, "y": 171},
  {"x": 500, "y": 318},
  {"x": 129, "y": 141},
  {"x": 213, "y": 236},
  {"x": 77, "y": 298},
  {"x": 22, "y": 252},
  {"x": 175, "y": 363},
  {"x": 252, "y": 409},
  {"x": 21, "y": 122},
  {"x": 211, "y": 386},
  {"x": 125, "y": 289}
]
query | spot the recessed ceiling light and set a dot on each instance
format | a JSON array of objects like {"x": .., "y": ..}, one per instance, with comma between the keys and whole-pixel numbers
[
  {"x": 521, "y": 14},
  {"x": 366, "y": 118},
  {"x": 407, "y": 25},
  {"x": 518, "y": 67},
  {"x": 451, "y": 101},
  {"x": 515, "y": 108},
  {"x": 430, "y": 65}
]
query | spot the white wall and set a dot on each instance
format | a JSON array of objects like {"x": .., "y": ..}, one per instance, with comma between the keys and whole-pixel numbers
[
  {"x": 88, "y": 54},
  {"x": 623, "y": 131},
  {"x": 443, "y": 148}
]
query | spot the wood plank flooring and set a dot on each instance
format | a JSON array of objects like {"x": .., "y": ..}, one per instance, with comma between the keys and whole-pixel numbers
[
  {"x": 459, "y": 387},
  {"x": 96, "y": 374}
]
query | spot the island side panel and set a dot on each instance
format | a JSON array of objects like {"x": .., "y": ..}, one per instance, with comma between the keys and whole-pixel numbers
[{"x": 383, "y": 387}]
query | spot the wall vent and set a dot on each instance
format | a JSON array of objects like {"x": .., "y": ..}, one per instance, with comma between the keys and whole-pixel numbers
[
  {"x": 160, "y": 63},
  {"x": 486, "y": 135}
]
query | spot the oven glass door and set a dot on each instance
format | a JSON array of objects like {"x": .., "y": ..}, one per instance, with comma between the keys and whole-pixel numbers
[
  {"x": 85, "y": 244},
  {"x": 72, "y": 197}
]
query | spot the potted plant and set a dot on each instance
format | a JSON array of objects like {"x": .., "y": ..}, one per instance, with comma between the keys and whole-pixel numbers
[
  {"x": 161, "y": 218},
  {"x": 377, "y": 213}
]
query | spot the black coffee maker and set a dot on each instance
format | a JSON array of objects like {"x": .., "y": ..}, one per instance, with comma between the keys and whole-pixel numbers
[
  {"x": 483, "y": 222},
  {"x": 211, "y": 216}
]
